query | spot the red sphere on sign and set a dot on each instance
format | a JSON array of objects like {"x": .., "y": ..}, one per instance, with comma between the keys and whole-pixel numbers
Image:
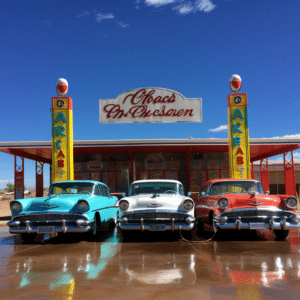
[
  {"x": 235, "y": 82},
  {"x": 62, "y": 87}
]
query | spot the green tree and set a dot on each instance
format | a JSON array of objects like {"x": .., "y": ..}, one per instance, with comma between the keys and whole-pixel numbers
[{"x": 10, "y": 188}]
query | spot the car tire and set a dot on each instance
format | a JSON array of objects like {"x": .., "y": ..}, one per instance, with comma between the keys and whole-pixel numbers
[
  {"x": 28, "y": 237},
  {"x": 187, "y": 234},
  {"x": 281, "y": 234},
  {"x": 199, "y": 228},
  {"x": 94, "y": 232},
  {"x": 126, "y": 234}
]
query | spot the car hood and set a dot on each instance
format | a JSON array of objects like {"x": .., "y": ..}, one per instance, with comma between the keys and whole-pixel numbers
[
  {"x": 246, "y": 200},
  {"x": 62, "y": 203},
  {"x": 155, "y": 201}
]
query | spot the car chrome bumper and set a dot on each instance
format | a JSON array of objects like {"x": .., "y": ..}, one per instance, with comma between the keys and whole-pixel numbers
[
  {"x": 260, "y": 223},
  {"x": 141, "y": 225},
  {"x": 58, "y": 226}
]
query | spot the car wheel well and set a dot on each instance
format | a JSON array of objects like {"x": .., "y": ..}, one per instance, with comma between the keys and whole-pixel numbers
[
  {"x": 98, "y": 219},
  {"x": 211, "y": 216}
]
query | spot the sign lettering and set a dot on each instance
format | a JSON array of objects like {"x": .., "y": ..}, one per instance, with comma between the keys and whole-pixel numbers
[
  {"x": 150, "y": 105},
  {"x": 62, "y": 139},
  {"x": 238, "y": 136}
]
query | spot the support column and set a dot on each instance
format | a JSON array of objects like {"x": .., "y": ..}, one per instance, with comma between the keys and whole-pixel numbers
[
  {"x": 264, "y": 173},
  {"x": 132, "y": 174},
  {"x": 19, "y": 178},
  {"x": 39, "y": 179},
  {"x": 289, "y": 173},
  {"x": 252, "y": 171},
  {"x": 187, "y": 170},
  {"x": 50, "y": 182}
]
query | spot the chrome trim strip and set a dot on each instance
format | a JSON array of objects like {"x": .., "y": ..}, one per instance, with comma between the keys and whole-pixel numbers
[
  {"x": 264, "y": 208},
  {"x": 14, "y": 230},
  {"x": 152, "y": 210},
  {"x": 28, "y": 229},
  {"x": 271, "y": 224},
  {"x": 49, "y": 213},
  {"x": 153, "y": 219},
  {"x": 105, "y": 208},
  {"x": 209, "y": 205},
  {"x": 142, "y": 224},
  {"x": 276, "y": 225},
  {"x": 238, "y": 223},
  {"x": 83, "y": 222},
  {"x": 36, "y": 223},
  {"x": 147, "y": 226},
  {"x": 283, "y": 223},
  {"x": 13, "y": 224},
  {"x": 64, "y": 227}
]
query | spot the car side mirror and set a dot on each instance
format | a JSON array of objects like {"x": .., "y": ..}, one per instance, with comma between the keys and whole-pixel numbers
[
  {"x": 123, "y": 194},
  {"x": 189, "y": 194},
  {"x": 202, "y": 194},
  {"x": 267, "y": 192}
]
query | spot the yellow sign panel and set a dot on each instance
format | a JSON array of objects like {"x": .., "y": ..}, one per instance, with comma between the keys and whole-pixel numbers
[
  {"x": 238, "y": 136},
  {"x": 62, "y": 139}
]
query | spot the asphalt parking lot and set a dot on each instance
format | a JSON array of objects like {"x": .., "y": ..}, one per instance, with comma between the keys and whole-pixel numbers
[{"x": 251, "y": 265}]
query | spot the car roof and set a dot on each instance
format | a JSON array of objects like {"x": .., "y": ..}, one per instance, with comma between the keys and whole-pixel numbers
[
  {"x": 230, "y": 179},
  {"x": 157, "y": 180},
  {"x": 88, "y": 181}
]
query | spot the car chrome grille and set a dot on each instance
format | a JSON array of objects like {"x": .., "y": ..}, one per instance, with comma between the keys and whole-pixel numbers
[
  {"x": 156, "y": 215},
  {"x": 49, "y": 217},
  {"x": 255, "y": 213}
]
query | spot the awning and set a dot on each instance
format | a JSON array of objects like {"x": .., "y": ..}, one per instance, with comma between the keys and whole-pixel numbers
[{"x": 42, "y": 151}]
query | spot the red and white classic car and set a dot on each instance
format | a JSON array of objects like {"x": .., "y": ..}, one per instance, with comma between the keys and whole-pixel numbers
[{"x": 242, "y": 204}]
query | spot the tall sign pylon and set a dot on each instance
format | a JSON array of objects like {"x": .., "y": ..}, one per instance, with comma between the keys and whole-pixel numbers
[
  {"x": 62, "y": 134},
  {"x": 238, "y": 132}
]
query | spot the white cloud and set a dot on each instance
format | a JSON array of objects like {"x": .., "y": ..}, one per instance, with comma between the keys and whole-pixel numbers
[
  {"x": 220, "y": 128},
  {"x": 158, "y": 3},
  {"x": 3, "y": 183},
  {"x": 184, "y": 9},
  {"x": 137, "y": 2},
  {"x": 288, "y": 136},
  {"x": 100, "y": 17},
  {"x": 121, "y": 24},
  {"x": 6, "y": 181},
  {"x": 204, "y": 5},
  {"x": 46, "y": 23},
  {"x": 84, "y": 14}
]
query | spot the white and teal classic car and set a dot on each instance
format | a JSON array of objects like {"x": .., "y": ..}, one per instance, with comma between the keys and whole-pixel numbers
[
  {"x": 71, "y": 206},
  {"x": 156, "y": 205}
]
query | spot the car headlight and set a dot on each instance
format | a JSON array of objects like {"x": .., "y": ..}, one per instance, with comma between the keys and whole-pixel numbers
[
  {"x": 16, "y": 207},
  {"x": 83, "y": 206},
  {"x": 123, "y": 204},
  {"x": 223, "y": 203},
  {"x": 188, "y": 204},
  {"x": 291, "y": 202}
]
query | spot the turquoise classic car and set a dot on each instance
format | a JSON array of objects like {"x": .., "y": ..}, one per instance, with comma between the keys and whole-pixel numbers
[{"x": 71, "y": 206}]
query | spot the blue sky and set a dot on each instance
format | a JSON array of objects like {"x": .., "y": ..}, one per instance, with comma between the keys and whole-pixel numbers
[{"x": 104, "y": 48}]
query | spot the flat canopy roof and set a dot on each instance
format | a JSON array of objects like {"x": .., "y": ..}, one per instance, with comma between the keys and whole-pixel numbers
[{"x": 42, "y": 151}]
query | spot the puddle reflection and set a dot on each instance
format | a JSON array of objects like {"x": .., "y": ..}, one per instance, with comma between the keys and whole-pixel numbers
[
  {"x": 60, "y": 267},
  {"x": 67, "y": 269}
]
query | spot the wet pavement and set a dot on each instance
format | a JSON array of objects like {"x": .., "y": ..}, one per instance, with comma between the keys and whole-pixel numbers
[{"x": 236, "y": 265}]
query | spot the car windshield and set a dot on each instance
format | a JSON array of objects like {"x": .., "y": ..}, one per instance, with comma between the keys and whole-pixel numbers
[
  {"x": 235, "y": 187},
  {"x": 71, "y": 188},
  {"x": 153, "y": 188}
]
